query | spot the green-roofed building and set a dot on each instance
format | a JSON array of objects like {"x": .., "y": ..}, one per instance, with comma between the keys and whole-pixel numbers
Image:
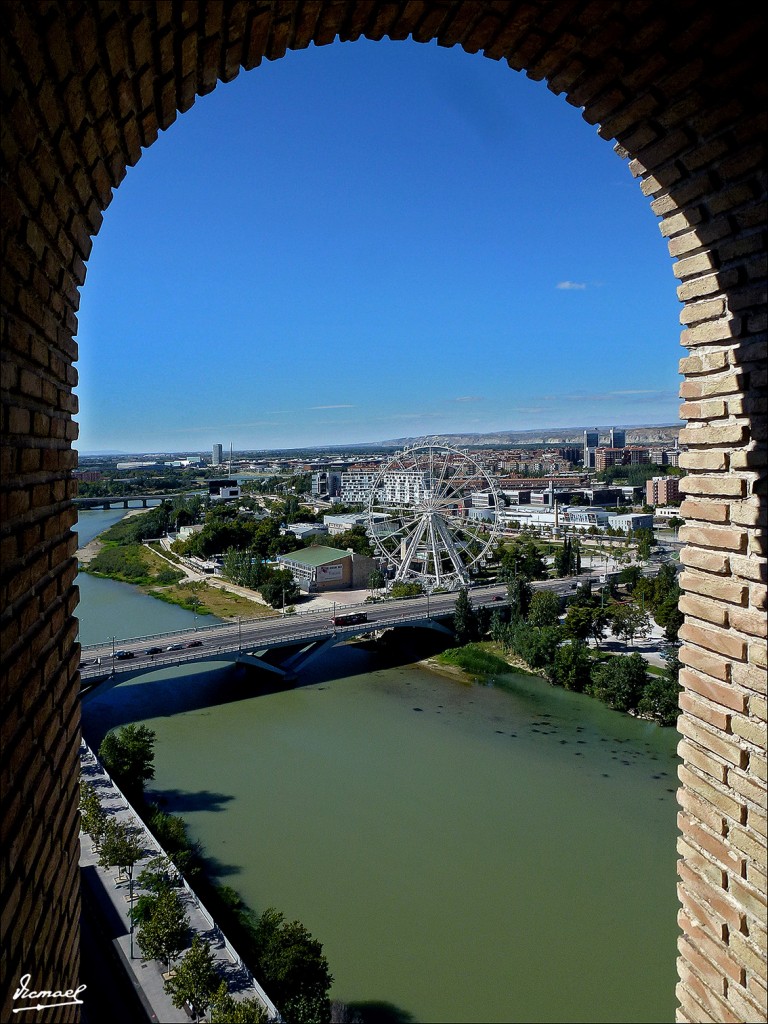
[{"x": 322, "y": 568}]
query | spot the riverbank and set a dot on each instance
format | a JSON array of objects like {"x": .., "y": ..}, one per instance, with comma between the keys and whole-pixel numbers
[
  {"x": 152, "y": 573},
  {"x": 484, "y": 659},
  {"x": 91, "y": 549}
]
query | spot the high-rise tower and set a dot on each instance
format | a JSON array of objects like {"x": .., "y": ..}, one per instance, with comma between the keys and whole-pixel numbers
[
  {"x": 618, "y": 438},
  {"x": 591, "y": 441}
]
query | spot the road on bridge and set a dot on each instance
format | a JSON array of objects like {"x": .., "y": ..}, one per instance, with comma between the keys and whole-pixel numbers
[{"x": 169, "y": 649}]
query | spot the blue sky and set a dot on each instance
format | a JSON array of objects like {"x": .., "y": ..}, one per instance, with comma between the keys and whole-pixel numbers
[{"x": 373, "y": 240}]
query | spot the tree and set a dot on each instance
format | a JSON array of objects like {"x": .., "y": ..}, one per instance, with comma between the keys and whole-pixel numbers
[
  {"x": 128, "y": 755},
  {"x": 93, "y": 817},
  {"x": 195, "y": 980},
  {"x": 279, "y": 588},
  {"x": 465, "y": 624},
  {"x": 293, "y": 969},
  {"x": 519, "y": 595},
  {"x": 628, "y": 621},
  {"x": 630, "y": 576},
  {"x": 578, "y": 622},
  {"x": 376, "y": 580},
  {"x": 536, "y": 645},
  {"x": 121, "y": 847},
  {"x": 401, "y": 589},
  {"x": 227, "y": 1010},
  {"x": 571, "y": 666},
  {"x": 545, "y": 609},
  {"x": 158, "y": 875},
  {"x": 163, "y": 934},
  {"x": 645, "y": 541},
  {"x": 522, "y": 558},
  {"x": 620, "y": 682}
]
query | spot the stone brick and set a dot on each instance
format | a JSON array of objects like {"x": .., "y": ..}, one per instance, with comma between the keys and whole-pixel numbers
[
  {"x": 729, "y": 590},
  {"x": 714, "y": 537},
  {"x": 703, "y": 608},
  {"x": 709, "y": 410},
  {"x": 705, "y": 710},
  {"x": 729, "y": 436},
  {"x": 750, "y": 844},
  {"x": 702, "y": 362},
  {"x": 711, "y": 386},
  {"x": 694, "y": 755},
  {"x": 728, "y": 644},
  {"x": 745, "y": 1007},
  {"x": 750, "y": 729},
  {"x": 748, "y": 621},
  {"x": 717, "y": 796},
  {"x": 704, "y": 334},
  {"x": 704, "y": 460},
  {"x": 706, "y": 511},
  {"x": 709, "y": 561},
  {"x": 714, "y": 486},
  {"x": 728, "y": 748}
]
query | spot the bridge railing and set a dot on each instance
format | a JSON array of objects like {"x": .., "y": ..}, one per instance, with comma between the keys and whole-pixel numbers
[{"x": 233, "y": 643}]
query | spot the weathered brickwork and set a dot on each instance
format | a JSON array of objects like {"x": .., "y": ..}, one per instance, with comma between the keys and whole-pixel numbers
[{"x": 679, "y": 89}]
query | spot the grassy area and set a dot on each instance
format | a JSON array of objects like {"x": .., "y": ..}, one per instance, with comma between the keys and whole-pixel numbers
[
  {"x": 133, "y": 563},
  {"x": 475, "y": 660},
  {"x": 199, "y": 597}
]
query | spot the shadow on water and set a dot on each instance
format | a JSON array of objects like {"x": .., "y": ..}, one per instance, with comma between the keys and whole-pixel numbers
[
  {"x": 168, "y": 692},
  {"x": 379, "y": 1013},
  {"x": 183, "y": 802}
]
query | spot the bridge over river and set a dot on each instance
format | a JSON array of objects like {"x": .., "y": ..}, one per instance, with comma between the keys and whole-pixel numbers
[{"x": 283, "y": 643}]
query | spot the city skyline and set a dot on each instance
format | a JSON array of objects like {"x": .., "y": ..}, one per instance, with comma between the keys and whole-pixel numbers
[{"x": 283, "y": 280}]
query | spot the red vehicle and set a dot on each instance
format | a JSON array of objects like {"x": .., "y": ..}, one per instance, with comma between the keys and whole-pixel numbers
[{"x": 349, "y": 620}]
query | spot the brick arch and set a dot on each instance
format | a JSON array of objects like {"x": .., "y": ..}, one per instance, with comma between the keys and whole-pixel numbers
[{"x": 680, "y": 90}]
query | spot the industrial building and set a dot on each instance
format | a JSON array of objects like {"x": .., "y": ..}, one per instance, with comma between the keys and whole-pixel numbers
[{"x": 320, "y": 568}]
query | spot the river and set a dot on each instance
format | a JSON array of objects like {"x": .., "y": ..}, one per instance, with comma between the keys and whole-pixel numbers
[{"x": 464, "y": 853}]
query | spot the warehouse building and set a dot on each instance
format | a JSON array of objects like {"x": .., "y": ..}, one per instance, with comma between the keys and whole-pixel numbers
[{"x": 321, "y": 568}]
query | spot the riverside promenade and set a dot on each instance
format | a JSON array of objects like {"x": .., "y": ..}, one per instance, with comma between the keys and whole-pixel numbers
[{"x": 108, "y": 893}]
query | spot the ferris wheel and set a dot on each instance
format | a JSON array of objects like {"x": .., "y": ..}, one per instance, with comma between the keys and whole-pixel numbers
[{"x": 420, "y": 519}]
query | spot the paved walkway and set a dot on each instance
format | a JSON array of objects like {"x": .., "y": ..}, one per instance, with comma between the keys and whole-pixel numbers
[{"x": 110, "y": 895}]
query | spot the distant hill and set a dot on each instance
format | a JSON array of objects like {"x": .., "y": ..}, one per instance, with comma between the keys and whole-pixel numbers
[{"x": 666, "y": 434}]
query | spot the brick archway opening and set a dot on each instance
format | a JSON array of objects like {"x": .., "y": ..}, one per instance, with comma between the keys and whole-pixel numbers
[{"x": 681, "y": 91}]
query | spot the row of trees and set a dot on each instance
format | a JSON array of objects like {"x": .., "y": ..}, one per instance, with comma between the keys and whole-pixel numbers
[
  {"x": 533, "y": 628},
  {"x": 283, "y": 955}
]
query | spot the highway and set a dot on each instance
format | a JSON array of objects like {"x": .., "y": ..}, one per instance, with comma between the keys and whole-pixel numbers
[{"x": 231, "y": 637}]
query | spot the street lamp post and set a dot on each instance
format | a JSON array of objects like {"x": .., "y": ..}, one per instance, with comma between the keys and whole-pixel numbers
[
  {"x": 113, "y": 655},
  {"x": 239, "y": 637}
]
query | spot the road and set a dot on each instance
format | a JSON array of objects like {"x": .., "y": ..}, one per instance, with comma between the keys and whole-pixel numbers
[{"x": 258, "y": 634}]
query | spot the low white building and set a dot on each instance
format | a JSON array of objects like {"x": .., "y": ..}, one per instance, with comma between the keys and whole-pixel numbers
[
  {"x": 223, "y": 490},
  {"x": 632, "y": 521},
  {"x": 302, "y": 530}
]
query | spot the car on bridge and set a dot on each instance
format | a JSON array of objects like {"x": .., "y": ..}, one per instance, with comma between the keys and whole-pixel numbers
[
  {"x": 195, "y": 643},
  {"x": 153, "y": 650},
  {"x": 175, "y": 647},
  {"x": 122, "y": 655}
]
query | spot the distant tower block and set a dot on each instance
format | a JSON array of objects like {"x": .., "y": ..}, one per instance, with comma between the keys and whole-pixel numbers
[
  {"x": 591, "y": 441},
  {"x": 618, "y": 438},
  {"x": 218, "y": 455}
]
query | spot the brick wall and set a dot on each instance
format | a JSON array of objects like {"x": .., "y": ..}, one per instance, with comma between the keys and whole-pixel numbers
[{"x": 679, "y": 89}]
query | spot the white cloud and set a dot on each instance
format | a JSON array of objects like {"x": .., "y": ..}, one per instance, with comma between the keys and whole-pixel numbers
[
  {"x": 469, "y": 398},
  {"x": 333, "y": 407},
  {"x": 570, "y": 286}
]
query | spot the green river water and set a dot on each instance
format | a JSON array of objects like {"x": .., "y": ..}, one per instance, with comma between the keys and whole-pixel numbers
[{"x": 463, "y": 852}]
